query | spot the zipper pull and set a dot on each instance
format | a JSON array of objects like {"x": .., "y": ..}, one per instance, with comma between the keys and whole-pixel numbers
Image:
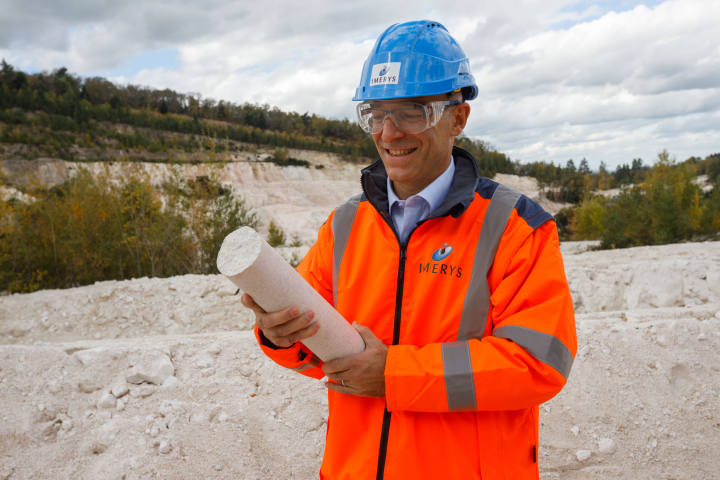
[{"x": 403, "y": 256}]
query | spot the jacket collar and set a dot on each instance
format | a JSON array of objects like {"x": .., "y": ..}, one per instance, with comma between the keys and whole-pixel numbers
[{"x": 462, "y": 190}]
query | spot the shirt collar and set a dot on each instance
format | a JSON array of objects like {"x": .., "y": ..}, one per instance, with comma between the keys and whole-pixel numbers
[{"x": 434, "y": 193}]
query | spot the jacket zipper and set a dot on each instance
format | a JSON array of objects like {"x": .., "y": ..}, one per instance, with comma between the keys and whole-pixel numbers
[
  {"x": 385, "y": 432},
  {"x": 396, "y": 338}
]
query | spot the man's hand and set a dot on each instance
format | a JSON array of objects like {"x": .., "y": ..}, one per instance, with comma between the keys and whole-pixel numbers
[
  {"x": 285, "y": 327},
  {"x": 362, "y": 374}
]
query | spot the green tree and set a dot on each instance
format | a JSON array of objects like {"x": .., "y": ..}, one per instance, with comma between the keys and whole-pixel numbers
[
  {"x": 670, "y": 190},
  {"x": 589, "y": 220},
  {"x": 489, "y": 160},
  {"x": 628, "y": 220}
]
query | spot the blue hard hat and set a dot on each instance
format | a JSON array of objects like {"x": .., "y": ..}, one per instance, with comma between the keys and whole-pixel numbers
[{"x": 415, "y": 59}]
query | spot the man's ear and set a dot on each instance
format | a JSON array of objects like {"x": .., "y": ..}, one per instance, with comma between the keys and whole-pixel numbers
[{"x": 459, "y": 118}]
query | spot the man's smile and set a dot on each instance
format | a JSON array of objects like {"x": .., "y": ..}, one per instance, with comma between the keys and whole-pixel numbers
[{"x": 400, "y": 153}]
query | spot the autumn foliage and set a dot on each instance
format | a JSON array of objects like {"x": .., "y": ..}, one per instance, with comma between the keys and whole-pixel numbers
[{"x": 97, "y": 227}]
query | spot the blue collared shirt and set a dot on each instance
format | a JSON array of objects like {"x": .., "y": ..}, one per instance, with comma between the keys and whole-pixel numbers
[{"x": 406, "y": 213}]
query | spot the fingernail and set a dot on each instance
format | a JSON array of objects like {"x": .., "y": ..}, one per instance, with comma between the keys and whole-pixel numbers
[
  {"x": 294, "y": 312},
  {"x": 310, "y": 315}
]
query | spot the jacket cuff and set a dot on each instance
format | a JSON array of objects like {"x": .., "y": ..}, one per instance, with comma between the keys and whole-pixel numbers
[
  {"x": 267, "y": 343},
  {"x": 391, "y": 363},
  {"x": 289, "y": 357}
]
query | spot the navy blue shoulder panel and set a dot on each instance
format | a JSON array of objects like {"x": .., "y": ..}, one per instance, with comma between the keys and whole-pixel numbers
[
  {"x": 528, "y": 210},
  {"x": 486, "y": 188},
  {"x": 532, "y": 212}
]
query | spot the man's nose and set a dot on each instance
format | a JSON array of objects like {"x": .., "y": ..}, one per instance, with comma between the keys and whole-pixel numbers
[{"x": 390, "y": 131}]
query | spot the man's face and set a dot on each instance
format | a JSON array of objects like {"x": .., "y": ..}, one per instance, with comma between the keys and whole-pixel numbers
[{"x": 416, "y": 159}]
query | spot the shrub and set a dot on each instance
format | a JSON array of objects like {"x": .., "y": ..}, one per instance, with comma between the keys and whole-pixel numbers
[
  {"x": 276, "y": 236},
  {"x": 95, "y": 228}
]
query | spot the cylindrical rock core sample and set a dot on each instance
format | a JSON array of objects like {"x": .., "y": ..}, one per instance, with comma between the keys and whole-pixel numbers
[{"x": 258, "y": 270}]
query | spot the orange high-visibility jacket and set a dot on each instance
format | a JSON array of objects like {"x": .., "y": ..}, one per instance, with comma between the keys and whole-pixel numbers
[{"x": 477, "y": 312}]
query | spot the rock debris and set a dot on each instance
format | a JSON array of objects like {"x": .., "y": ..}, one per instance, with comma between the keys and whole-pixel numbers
[{"x": 644, "y": 403}]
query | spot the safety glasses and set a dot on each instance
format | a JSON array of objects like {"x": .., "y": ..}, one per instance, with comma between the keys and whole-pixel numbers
[{"x": 408, "y": 117}]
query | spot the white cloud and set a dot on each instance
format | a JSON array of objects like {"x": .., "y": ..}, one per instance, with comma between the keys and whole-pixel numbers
[{"x": 606, "y": 86}]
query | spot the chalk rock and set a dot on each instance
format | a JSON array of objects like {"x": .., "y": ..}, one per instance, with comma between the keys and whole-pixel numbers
[
  {"x": 155, "y": 369},
  {"x": 582, "y": 455},
  {"x": 108, "y": 400},
  {"x": 103, "y": 416},
  {"x": 583, "y": 352},
  {"x": 66, "y": 422},
  {"x": 169, "y": 407},
  {"x": 246, "y": 371},
  {"x": 54, "y": 386},
  {"x": 702, "y": 337},
  {"x": 171, "y": 382},
  {"x": 227, "y": 290},
  {"x": 154, "y": 431},
  {"x": 120, "y": 389},
  {"x": 207, "y": 372},
  {"x": 164, "y": 448},
  {"x": 223, "y": 417},
  {"x": 608, "y": 446},
  {"x": 142, "y": 392},
  {"x": 120, "y": 406},
  {"x": 662, "y": 341},
  {"x": 92, "y": 356},
  {"x": 214, "y": 350},
  {"x": 200, "y": 417},
  {"x": 89, "y": 385},
  {"x": 206, "y": 362},
  {"x": 717, "y": 315},
  {"x": 575, "y": 430}
]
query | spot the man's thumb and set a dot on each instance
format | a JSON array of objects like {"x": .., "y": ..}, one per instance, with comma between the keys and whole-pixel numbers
[{"x": 368, "y": 336}]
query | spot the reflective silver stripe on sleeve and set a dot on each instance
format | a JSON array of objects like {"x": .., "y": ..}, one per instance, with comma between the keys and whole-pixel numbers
[
  {"x": 546, "y": 348},
  {"x": 477, "y": 299},
  {"x": 342, "y": 223},
  {"x": 458, "y": 373}
]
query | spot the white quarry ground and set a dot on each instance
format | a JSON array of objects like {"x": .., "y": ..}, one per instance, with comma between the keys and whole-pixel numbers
[
  {"x": 677, "y": 275},
  {"x": 151, "y": 378}
]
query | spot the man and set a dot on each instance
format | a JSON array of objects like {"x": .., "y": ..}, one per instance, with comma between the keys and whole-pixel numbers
[{"x": 455, "y": 283}]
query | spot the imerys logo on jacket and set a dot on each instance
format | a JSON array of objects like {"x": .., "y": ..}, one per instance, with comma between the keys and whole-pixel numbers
[
  {"x": 385, "y": 73},
  {"x": 441, "y": 268},
  {"x": 442, "y": 253}
]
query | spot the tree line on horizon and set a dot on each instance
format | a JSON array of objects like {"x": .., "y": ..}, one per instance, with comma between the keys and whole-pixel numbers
[
  {"x": 94, "y": 228},
  {"x": 84, "y": 100},
  {"x": 71, "y": 110}
]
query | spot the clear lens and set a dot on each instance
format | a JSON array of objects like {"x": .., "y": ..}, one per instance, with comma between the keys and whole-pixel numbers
[{"x": 407, "y": 117}]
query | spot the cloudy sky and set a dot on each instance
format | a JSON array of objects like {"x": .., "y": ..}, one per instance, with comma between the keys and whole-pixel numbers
[{"x": 608, "y": 80}]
